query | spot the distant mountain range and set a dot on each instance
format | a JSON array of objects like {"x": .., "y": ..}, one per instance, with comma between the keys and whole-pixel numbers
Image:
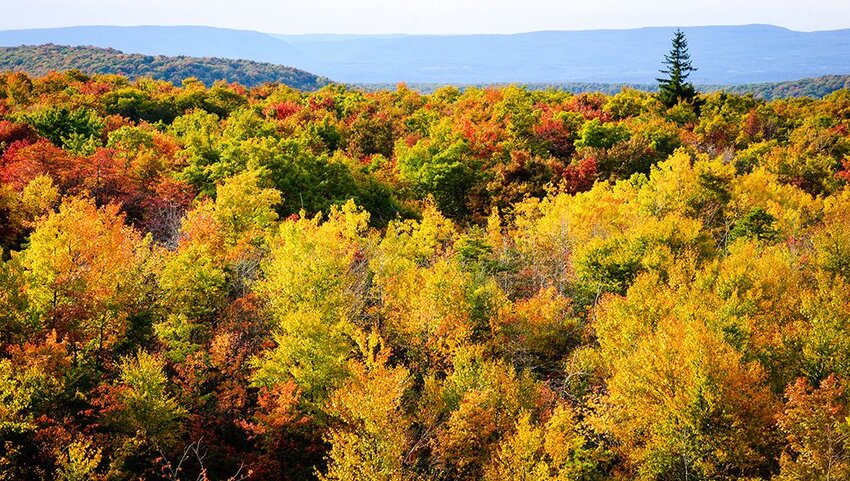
[
  {"x": 723, "y": 54},
  {"x": 41, "y": 59}
]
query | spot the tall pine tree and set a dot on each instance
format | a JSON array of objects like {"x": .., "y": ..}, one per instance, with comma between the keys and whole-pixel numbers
[{"x": 673, "y": 88}]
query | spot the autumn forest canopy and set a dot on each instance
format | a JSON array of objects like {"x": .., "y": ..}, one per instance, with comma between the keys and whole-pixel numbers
[{"x": 490, "y": 284}]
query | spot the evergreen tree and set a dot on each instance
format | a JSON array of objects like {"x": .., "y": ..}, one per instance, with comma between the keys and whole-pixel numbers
[{"x": 673, "y": 88}]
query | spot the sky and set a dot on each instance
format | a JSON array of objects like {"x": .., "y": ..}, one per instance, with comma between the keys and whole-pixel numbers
[{"x": 425, "y": 16}]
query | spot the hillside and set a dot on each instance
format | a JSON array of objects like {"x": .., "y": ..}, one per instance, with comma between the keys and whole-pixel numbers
[
  {"x": 41, "y": 59},
  {"x": 724, "y": 54}
]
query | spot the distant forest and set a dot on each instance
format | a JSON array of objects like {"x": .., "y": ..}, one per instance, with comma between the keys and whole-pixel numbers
[
  {"x": 42, "y": 59},
  {"x": 818, "y": 87},
  {"x": 811, "y": 87}
]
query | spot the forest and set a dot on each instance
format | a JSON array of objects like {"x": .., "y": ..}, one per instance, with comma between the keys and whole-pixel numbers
[{"x": 224, "y": 283}]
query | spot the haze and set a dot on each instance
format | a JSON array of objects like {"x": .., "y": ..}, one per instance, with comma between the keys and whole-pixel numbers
[{"x": 424, "y": 17}]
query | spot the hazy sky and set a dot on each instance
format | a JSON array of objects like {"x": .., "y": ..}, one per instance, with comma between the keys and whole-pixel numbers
[{"x": 424, "y": 16}]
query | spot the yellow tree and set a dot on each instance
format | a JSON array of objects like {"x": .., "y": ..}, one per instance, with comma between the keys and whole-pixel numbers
[
  {"x": 556, "y": 450},
  {"x": 218, "y": 254},
  {"x": 141, "y": 409},
  {"x": 470, "y": 412},
  {"x": 681, "y": 402},
  {"x": 314, "y": 287},
  {"x": 424, "y": 296},
  {"x": 85, "y": 273},
  {"x": 372, "y": 441}
]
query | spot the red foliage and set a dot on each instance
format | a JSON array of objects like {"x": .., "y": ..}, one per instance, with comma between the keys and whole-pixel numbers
[
  {"x": 590, "y": 105},
  {"x": 115, "y": 122},
  {"x": 483, "y": 137},
  {"x": 493, "y": 95},
  {"x": 552, "y": 134},
  {"x": 23, "y": 162},
  {"x": 11, "y": 132},
  {"x": 163, "y": 207},
  {"x": 243, "y": 316},
  {"x": 844, "y": 173},
  {"x": 49, "y": 355},
  {"x": 278, "y": 408},
  {"x": 579, "y": 176},
  {"x": 285, "y": 109},
  {"x": 756, "y": 126},
  {"x": 411, "y": 139},
  {"x": 290, "y": 439},
  {"x": 165, "y": 146},
  {"x": 94, "y": 87},
  {"x": 238, "y": 89},
  {"x": 173, "y": 191},
  {"x": 840, "y": 129},
  {"x": 104, "y": 175},
  {"x": 321, "y": 103}
]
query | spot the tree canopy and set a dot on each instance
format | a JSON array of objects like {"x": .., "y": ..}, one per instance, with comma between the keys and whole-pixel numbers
[{"x": 262, "y": 283}]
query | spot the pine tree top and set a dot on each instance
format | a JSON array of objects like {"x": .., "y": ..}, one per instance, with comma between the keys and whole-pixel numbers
[{"x": 673, "y": 86}]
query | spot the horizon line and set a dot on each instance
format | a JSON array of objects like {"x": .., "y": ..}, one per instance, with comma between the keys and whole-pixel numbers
[{"x": 400, "y": 34}]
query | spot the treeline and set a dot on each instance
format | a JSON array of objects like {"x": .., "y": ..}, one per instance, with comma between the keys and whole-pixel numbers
[
  {"x": 42, "y": 59},
  {"x": 571, "y": 87},
  {"x": 817, "y": 87},
  {"x": 498, "y": 284}
]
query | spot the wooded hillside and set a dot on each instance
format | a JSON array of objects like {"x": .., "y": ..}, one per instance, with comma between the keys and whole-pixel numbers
[{"x": 40, "y": 60}]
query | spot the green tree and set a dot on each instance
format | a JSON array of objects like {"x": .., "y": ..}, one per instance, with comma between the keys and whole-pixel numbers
[
  {"x": 141, "y": 411},
  {"x": 64, "y": 126},
  {"x": 673, "y": 88}
]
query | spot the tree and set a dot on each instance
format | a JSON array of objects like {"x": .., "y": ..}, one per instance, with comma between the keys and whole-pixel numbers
[
  {"x": 62, "y": 126},
  {"x": 553, "y": 451},
  {"x": 313, "y": 285},
  {"x": 79, "y": 461},
  {"x": 815, "y": 423},
  {"x": 139, "y": 409},
  {"x": 218, "y": 254},
  {"x": 372, "y": 440},
  {"x": 673, "y": 88},
  {"x": 681, "y": 402},
  {"x": 85, "y": 275},
  {"x": 474, "y": 409}
]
